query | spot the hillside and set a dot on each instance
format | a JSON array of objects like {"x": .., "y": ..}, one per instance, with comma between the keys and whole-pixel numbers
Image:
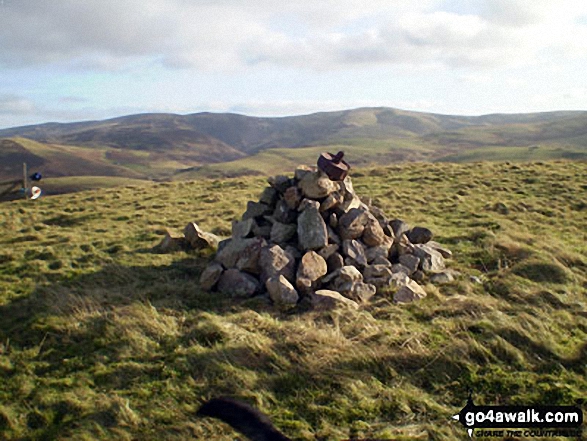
[
  {"x": 163, "y": 146},
  {"x": 102, "y": 339}
]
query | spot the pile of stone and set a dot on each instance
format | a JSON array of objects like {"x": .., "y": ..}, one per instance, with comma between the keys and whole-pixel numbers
[{"x": 309, "y": 236}]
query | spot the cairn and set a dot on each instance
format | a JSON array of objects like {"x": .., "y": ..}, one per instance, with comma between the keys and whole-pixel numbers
[{"x": 312, "y": 237}]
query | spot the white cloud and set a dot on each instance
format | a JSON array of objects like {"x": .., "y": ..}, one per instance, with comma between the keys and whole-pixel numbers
[
  {"x": 16, "y": 105},
  {"x": 329, "y": 34}
]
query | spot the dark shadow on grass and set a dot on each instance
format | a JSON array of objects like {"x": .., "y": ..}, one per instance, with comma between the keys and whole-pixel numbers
[{"x": 172, "y": 286}]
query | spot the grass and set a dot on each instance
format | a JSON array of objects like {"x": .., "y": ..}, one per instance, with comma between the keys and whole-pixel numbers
[{"x": 100, "y": 338}]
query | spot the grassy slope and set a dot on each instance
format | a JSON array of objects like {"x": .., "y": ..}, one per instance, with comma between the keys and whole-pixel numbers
[{"x": 102, "y": 339}]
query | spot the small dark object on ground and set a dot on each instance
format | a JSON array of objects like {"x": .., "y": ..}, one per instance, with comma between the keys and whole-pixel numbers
[{"x": 243, "y": 418}]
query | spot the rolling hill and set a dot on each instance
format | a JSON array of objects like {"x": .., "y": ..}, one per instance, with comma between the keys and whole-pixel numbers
[{"x": 163, "y": 146}]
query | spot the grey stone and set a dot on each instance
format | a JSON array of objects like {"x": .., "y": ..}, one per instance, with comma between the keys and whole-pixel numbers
[
  {"x": 243, "y": 228},
  {"x": 379, "y": 215},
  {"x": 410, "y": 261},
  {"x": 358, "y": 291},
  {"x": 325, "y": 299},
  {"x": 312, "y": 268},
  {"x": 283, "y": 213},
  {"x": 431, "y": 260},
  {"x": 332, "y": 236},
  {"x": 281, "y": 292},
  {"x": 333, "y": 220},
  {"x": 377, "y": 275},
  {"x": 263, "y": 230},
  {"x": 328, "y": 250},
  {"x": 373, "y": 234},
  {"x": 199, "y": 239},
  {"x": 332, "y": 200},
  {"x": 280, "y": 183},
  {"x": 234, "y": 249},
  {"x": 269, "y": 196},
  {"x": 445, "y": 252},
  {"x": 248, "y": 260},
  {"x": 352, "y": 224},
  {"x": 381, "y": 261},
  {"x": 376, "y": 271},
  {"x": 210, "y": 276},
  {"x": 355, "y": 250},
  {"x": 292, "y": 197},
  {"x": 418, "y": 276},
  {"x": 399, "y": 227},
  {"x": 398, "y": 280},
  {"x": 222, "y": 244},
  {"x": 410, "y": 292},
  {"x": 403, "y": 245},
  {"x": 238, "y": 284},
  {"x": 442, "y": 277},
  {"x": 334, "y": 262},
  {"x": 312, "y": 233},
  {"x": 399, "y": 268},
  {"x": 256, "y": 209},
  {"x": 317, "y": 185},
  {"x": 381, "y": 250},
  {"x": 281, "y": 233},
  {"x": 303, "y": 170},
  {"x": 308, "y": 203},
  {"x": 349, "y": 274},
  {"x": 419, "y": 235},
  {"x": 171, "y": 243},
  {"x": 275, "y": 261}
]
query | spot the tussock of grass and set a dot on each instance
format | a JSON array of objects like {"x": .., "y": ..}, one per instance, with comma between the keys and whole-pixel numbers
[{"x": 101, "y": 338}]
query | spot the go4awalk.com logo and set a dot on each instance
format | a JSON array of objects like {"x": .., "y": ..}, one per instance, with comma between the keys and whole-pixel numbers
[{"x": 521, "y": 421}]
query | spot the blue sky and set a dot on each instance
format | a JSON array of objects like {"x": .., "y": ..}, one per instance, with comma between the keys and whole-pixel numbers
[{"x": 71, "y": 60}]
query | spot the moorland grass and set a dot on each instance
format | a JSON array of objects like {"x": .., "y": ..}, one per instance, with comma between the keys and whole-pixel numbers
[{"x": 101, "y": 338}]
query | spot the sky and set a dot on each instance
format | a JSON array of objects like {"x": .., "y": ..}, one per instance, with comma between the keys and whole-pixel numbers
[{"x": 73, "y": 60}]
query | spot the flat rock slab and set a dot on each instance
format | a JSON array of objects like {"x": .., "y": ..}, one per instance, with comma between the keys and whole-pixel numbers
[{"x": 325, "y": 299}]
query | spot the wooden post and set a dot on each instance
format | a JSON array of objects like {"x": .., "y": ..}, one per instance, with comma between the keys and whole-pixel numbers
[{"x": 24, "y": 179}]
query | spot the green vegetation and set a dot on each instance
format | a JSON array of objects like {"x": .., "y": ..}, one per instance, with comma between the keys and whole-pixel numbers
[{"x": 101, "y": 338}]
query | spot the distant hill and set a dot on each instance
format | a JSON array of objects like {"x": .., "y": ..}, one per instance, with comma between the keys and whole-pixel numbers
[{"x": 155, "y": 145}]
